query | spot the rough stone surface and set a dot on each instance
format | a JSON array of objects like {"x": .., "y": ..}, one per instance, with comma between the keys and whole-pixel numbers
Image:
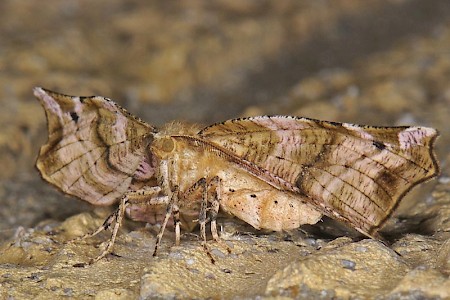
[
  {"x": 342, "y": 271},
  {"x": 424, "y": 282},
  {"x": 368, "y": 62}
]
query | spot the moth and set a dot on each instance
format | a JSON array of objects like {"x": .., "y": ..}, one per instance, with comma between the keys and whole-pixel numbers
[{"x": 273, "y": 172}]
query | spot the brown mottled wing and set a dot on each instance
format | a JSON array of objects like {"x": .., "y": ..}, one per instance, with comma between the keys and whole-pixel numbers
[
  {"x": 96, "y": 150},
  {"x": 353, "y": 173}
]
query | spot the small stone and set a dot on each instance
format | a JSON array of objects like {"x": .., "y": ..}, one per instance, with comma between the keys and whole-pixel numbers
[
  {"x": 348, "y": 264},
  {"x": 217, "y": 253}
]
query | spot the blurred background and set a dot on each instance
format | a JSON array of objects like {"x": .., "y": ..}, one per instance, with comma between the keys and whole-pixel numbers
[{"x": 368, "y": 62}]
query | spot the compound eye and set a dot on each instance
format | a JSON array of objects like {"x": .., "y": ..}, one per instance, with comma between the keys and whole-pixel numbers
[{"x": 167, "y": 145}]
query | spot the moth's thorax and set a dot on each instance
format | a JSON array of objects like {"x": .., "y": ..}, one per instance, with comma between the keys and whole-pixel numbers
[
  {"x": 179, "y": 128},
  {"x": 190, "y": 164},
  {"x": 187, "y": 161}
]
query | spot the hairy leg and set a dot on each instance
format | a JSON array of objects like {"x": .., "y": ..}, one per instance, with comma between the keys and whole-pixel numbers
[
  {"x": 147, "y": 196},
  {"x": 215, "y": 184},
  {"x": 176, "y": 223},
  {"x": 172, "y": 203},
  {"x": 118, "y": 218}
]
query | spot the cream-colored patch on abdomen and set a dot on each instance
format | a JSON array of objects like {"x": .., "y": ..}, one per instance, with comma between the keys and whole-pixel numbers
[{"x": 262, "y": 206}]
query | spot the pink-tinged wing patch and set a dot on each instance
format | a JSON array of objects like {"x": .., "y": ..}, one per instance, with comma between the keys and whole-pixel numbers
[
  {"x": 353, "y": 173},
  {"x": 96, "y": 150}
]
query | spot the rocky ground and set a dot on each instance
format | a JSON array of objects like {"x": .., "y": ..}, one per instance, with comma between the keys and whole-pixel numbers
[{"x": 367, "y": 62}]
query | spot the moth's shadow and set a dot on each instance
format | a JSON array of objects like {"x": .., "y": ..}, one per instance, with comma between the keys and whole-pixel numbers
[
  {"x": 329, "y": 229},
  {"x": 399, "y": 226},
  {"x": 395, "y": 228}
]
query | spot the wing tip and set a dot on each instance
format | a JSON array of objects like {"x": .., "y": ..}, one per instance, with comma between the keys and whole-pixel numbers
[
  {"x": 43, "y": 95},
  {"x": 39, "y": 92}
]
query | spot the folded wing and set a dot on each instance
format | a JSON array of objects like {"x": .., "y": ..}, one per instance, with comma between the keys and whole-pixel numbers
[
  {"x": 352, "y": 173},
  {"x": 96, "y": 150}
]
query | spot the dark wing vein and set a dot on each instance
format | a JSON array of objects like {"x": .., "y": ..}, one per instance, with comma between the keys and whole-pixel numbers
[
  {"x": 88, "y": 169},
  {"x": 75, "y": 159},
  {"x": 361, "y": 173}
]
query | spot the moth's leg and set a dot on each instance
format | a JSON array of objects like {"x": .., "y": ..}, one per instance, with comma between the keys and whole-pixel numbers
[
  {"x": 216, "y": 184},
  {"x": 148, "y": 196},
  {"x": 172, "y": 207},
  {"x": 201, "y": 183},
  {"x": 202, "y": 218},
  {"x": 133, "y": 196},
  {"x": 176, "y": 223},
  {"x": 106, "y": 224},
  {"x": 119, "y": 213},
  {"x": 173, "y": 202},
  {"x": 203, "y": 210},
  {"x": 163, "y": 177}
]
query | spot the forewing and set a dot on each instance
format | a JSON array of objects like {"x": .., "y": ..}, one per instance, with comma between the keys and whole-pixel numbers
[
  {"x": 96, "y": 150},
  {"x": 353, "y": 173}
]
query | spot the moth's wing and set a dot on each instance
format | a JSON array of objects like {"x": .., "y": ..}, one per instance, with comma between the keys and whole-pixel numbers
[
  {"x": 96, "y": 150},
  {"x": 353, "y": 173}
]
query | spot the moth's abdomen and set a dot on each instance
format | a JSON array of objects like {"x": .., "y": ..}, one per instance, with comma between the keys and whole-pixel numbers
[
  {"x": 261, "y": 205},
  {"x": 269, "y": 209}
]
